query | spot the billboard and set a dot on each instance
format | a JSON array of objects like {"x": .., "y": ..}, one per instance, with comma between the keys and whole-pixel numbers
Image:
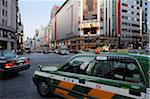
[{"x": 89, "y": 9}]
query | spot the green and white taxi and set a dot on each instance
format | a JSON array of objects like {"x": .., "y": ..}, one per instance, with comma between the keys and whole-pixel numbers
[{"x": 102, "y": 76}]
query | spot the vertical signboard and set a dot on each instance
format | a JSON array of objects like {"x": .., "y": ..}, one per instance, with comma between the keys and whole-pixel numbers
[{"x": 89, "y": 10}]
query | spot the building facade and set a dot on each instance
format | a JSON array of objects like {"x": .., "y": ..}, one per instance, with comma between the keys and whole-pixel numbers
[
  {"x": 8, "y": 24},
  {"x": 42, "y": 38},
  {"x": 148, "y": 18},
  {"x": 93, "y": 23}
]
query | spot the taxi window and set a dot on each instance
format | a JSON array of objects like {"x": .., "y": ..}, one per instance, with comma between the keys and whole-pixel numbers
[
  {"x": 77, "y": 65},
  {"x": 117, "y": 70},
  {"x": 132, "y": 73},
  {"x": 103, "y": 69}
]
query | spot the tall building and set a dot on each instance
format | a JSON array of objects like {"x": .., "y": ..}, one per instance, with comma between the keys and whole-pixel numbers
[
  {"x": 8, "y": 24},
  {"x": 20, "y": 33},
  {"x": 148, "y": 18},
  {"x": 85, "y": 24},
  {"x": 41, "y": 40}
]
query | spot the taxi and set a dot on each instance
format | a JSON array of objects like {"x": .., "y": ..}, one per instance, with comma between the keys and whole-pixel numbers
[{"x": 102, "y": 76}]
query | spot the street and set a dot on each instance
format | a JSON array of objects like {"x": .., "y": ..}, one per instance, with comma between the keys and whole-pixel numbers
[{"x": 20, "y": 86}]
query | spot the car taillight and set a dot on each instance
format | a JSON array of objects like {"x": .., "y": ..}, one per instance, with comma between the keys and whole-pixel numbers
[
  {"x": 8, "y": 65},
  {"x": 27, "y": 61}
]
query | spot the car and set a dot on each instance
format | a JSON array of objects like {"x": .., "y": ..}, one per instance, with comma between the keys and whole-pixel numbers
[
  {"x": 100, "y": 76},
  {"x": 56, "y": 51},
  {"x": 47, "y": 52},
  {"x": 27, "y": 50},
  {"x": 141, "y": 51},
  {"x": 63, "y": 50},
  {"x": 11, "y": 63}
]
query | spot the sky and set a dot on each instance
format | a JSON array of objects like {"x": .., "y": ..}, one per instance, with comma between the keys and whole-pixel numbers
[{"x": 35, "y": 13}]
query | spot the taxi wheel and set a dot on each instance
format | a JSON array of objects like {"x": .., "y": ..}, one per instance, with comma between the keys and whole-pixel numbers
[{"x": 43, "y": 89}]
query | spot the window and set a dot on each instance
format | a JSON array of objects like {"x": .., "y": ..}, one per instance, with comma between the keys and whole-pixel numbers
[
  {"x": 77, "y": 65},
  {"x": 132, "y": 73},
  {"x": 124, "y": 4},
  {"x": 3, "y": 2},
  {"x": 124, "y": 17},
  {"x": 118, "y": 70},
  {"x": 6, "y": 13},
  {"x": 124, "y": 11},
  {"x": 2, "y": 21},
  {"x": 5, "y": 22},
  {"x": 103, "y": 69},
  {"x": 3, "y": 12},
  {"x": 6, "y": 3},
  {"x": 126, "y": 24},
  {"x": 1, "y": 33},
  {"x": 4, "y": 33}
]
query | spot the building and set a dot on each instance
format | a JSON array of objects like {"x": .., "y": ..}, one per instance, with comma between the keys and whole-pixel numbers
[
  {"x": 144, "y": 32},
  {"x": 93, "y": 23},
  {"x": 20, "y": 33},
  {"x": 28, "y": 43},
  {"x": 42, "y": 38},
  {"x": 20, "y": 36},
  {"x": 148, "y": 17},
  {"x": 8, "y": 24}
]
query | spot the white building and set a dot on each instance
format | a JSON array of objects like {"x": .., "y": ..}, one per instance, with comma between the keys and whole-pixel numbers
[
  {"x": 8, "y": 24},
  {"x": 42, "y": 38}
]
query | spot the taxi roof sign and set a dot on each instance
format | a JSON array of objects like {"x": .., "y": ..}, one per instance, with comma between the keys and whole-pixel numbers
[{"x": 101, "y": 58}]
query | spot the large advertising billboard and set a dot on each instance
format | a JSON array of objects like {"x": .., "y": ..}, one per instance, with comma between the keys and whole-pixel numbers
[{"x": 89, "y": 9}]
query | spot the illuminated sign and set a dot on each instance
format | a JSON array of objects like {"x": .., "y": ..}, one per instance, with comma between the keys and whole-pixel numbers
[{"x": 89, "y": 9}]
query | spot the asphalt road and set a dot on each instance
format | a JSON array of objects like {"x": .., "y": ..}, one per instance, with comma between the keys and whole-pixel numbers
[{"x": 20, "y": 86}]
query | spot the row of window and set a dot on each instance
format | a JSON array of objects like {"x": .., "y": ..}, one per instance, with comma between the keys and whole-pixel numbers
[
  {"x": 4, "y": 22},
  {"x": 129, "y": 18},
  {"x": 126, "y": 36},
  {"x": 129, "y": 12},
  {"x": 128, "y": 30},
  {"x": 6, "y": 34},
  {"x": 128, "y": 24}
]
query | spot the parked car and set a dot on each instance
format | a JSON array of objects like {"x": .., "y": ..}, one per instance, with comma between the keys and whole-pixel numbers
[
  {"x": 74, "y": 51},
  {"x": 56, "y": 51},
  {"x": 47, "y": 52},
  {"x": 102, "y": 76},
  {"x": 63, "y": 50},
  {"x": 140, "y": 51},
  {"x": 10, "y": 63},
  {"x": 27, "y": 50}
]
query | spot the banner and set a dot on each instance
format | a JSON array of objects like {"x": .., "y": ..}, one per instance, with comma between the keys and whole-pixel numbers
[{"x": 89, "y": 9}]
